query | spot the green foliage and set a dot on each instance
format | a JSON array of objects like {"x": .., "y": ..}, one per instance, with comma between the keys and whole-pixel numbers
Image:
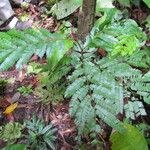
[
  {"x": 18, "y": 47},
  {"x": 125, "y": 46},
  {"x": 15, "y": 147},
  {"x": 11, "y": 131},
  {"x": 141, "y": 84},
  {"x": 133, "y": 109},
  {"x": 65, "y": 7},
  {"x": 122, "y": 37},
  {"x": 136, "y": 84},
  {"x": 98, "y": 87},
  {"x": 143, "y": 128},
  {"x": 53, "y": 80},
  {"x": 127, "y": 3},
  {"x": 3, "y": 82},
  {"x": 147, "y": 22},
  {"x": 33, "y": 68},
  {"x": 147, "y": 2},
  {"x": 40, "y": 136},
  {"x": 140, "y": 59},
  {"x": 25, "y": 90},
  {"x": 94, "y": 93},
  {"x": 104, "y": 4},
  {"x": 132, "y": 139},
  {"x": 52, "y": 2}
]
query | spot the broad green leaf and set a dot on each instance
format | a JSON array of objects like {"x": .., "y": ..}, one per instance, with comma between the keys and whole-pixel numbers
[
  {"x": 132, "y": 139},
  {"x": 65, "y": 7},
  {"x": 108, "y": 16},
  {"x": 147, "y": 2},
  {"x": 125, "y": 3},
  {"x": 104, "y": 4},
  {"x": 15, "y": 147}
]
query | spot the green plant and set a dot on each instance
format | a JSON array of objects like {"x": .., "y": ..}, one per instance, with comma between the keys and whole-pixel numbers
[
  {"x": 121, "y": 37},
  {"x": 134, "y": 109},
  {"x": 15, "y": 147},
  {"x": 93, "y": 93},
  {"x": 127, "y": 3},
  {"x": 25, "y": 90},
  {"x": 33, "y": 68},
  {"x": 98, "y": 87},
  {"x": 144, "y": 129},
  {"x": 147, "y": 2},
  {"x": 11, "y": 132},
  {"x": 64, "y": 8},
  {"x": 40, "y": 136},
  {"x": 131, "y": 139},
  {"x": 53, "y": 80},
  {"x": 23, "y": 45}
]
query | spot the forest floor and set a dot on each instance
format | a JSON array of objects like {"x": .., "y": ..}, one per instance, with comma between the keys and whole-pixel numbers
[{"x": 29, "y": 105}]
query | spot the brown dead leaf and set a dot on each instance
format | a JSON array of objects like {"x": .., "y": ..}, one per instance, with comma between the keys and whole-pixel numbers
[
  {"x": 21, "y": 76},
  {"x": 102, "y": 52}
]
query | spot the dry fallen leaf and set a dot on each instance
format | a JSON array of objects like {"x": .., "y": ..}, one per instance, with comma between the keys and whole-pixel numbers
[
  {"x": 22, "y": 74},
  {"x": 10, "y": 108}
]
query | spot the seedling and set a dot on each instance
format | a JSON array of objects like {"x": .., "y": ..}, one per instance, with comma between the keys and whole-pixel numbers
[{"x": 25, "y": 90}]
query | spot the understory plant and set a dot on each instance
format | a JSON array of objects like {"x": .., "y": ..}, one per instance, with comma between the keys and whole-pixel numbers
[
  {"x": 99, "y": 85},
  {"x": 11, "y": 132},
  {"x": 15, "y": 147},
  {"x": 40, "y": 136},
  {"x": 52, "y": 80},
  {"x": 25, "y": 90}
]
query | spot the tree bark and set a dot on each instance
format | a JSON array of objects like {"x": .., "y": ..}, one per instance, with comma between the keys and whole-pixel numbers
[{"x": 86, "y": 18}]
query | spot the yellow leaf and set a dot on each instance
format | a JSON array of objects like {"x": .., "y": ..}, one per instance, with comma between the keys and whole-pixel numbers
[{"x": 11, "y": 108}]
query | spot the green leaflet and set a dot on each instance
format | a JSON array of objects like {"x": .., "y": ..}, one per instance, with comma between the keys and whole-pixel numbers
[
  {"x": 126, "y": 3},
  {"x": 140, "y": 59},
  {"x": 125, "y": 46},
  {"x": 132, "y": 139},
  {"x": 147, "y": 2},
  {"x": 15, "y": 147},
  {"x": 142, "y": 86},
  {"x": 133, "y": 109},
  {"x": 25, "y": 44},
  {"x": 108, "y": 16},
  {"x": 119, "y": 38},
  {"x": 104, "y": 4},
  {"x": 52, "y": 80}
]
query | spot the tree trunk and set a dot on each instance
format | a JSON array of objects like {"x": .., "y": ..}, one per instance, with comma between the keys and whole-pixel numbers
[{"x": 86, "y": 18}]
